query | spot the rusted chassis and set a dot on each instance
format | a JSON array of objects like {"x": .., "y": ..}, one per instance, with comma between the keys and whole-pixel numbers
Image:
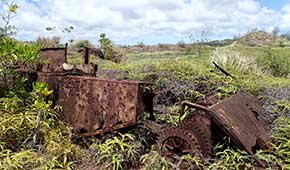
[{"x": 93, "y": 105}]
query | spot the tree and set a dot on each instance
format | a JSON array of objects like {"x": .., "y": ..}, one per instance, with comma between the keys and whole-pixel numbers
[
  {"x": 275, "y": 30},
  {"x": 68, "y": 30},
  {"x": 10, "y": 11},
  {"x": 106, "y": 45},
  {"x": 199, "y": 40}
]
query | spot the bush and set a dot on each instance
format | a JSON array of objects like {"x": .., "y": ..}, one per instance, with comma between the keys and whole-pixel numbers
[
  {"x": 31, "y": 136},
  {"x": 277, "y": 65},
  {"x": 81, "y": 43},
  {"x": 45, "y": 42},
  {"x": 12, "y": 52},
  {"x": 109, "y": 50},
  {"x": 233, "y": 60}
]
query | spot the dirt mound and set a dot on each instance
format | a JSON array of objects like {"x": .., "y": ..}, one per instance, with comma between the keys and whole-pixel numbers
[{"x": 261, "y": 38}]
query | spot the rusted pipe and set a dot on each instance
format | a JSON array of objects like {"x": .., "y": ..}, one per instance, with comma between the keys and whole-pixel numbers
[
  {"x": 65, "y": 53},
  {"x": 85, "y": 55}
]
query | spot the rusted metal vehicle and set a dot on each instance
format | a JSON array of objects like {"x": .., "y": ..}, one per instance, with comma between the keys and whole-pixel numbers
[
  {"x": 239, "y": 117},
  {"x": 92, "y": 105},
  {"x": 95, "y": 105}
]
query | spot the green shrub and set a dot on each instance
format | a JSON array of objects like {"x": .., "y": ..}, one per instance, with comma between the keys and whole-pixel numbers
[
  {"x": 275, "y": 64},
  {"x": 11, "y": 52},
  {"x": 109, "y": 50},
  {"x": 31, "y": 135},
  {"x": 117, "y": 153}
]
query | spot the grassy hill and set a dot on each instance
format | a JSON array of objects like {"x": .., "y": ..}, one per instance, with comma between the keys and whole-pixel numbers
[{"x": 261, "y": 38}]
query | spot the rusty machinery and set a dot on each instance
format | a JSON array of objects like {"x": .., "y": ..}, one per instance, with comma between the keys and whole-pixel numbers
[
  {"x": 239, "y": 117},
  {"x": 94, "y": 106}
]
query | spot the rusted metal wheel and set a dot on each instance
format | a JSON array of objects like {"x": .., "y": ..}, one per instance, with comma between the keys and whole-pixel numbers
[
  {"x": 201, "y": 125},
  {"x": 177, "y": 141}
]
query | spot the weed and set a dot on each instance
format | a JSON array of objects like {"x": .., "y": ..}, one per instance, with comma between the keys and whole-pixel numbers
[
  {"x": 116, "y": 153},
  {"x": 154, "y": 161},
  {"x": 231, "y": 59}
]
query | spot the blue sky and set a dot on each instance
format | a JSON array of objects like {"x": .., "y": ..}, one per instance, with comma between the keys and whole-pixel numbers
[
  {"x": 274, "y": 4},
  {"x": 150, "y": 21}
]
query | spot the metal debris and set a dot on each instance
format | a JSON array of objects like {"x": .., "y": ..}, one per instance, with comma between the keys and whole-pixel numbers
[
  {"x": 95, "y": 105},
  {"x": 240, "y": 117}
]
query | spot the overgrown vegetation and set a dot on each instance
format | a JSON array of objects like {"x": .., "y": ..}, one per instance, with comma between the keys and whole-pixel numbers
[
  {"x": 109, "y": 50},
  {"x": 117, "y": 153},
  {"x": 33, "y": 137}
]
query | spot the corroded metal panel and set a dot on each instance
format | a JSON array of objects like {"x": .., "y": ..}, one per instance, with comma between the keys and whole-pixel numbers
[
  {"x": 53, "y": 58},
  {"x": 93, "y": 105},
  {"x": 242, "y": 118}
]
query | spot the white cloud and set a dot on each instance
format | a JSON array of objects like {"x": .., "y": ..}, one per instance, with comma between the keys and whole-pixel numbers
[{"x": 134, "y": 20}]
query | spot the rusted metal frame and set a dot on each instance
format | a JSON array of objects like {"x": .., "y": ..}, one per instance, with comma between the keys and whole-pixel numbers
[
  {"x": 109, "y": 129},
  {"x": 192, "y": 105},
  {"x": 57, "y": 49},
  {"x": 112, "y": 80}
]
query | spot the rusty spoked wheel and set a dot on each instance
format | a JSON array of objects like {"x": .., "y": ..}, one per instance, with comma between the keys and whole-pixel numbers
[{"x": 177, "y": 141}]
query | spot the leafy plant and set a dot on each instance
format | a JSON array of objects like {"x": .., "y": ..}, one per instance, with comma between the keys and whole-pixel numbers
[
  {"x": 154, "y": 161},
  {"x": 278, "y": 154},
  {"x": 230, "y": 159},
  {"x": 31, "y": 135},
  {"x": 11, "y": 52},
  {"x": 276, "y": 64},
  {"x": 108, "y": 49},
  {"x": 116, "y": 153},
  {"x": 10, "y": 12},
  {"x": 194, "y": 162}
]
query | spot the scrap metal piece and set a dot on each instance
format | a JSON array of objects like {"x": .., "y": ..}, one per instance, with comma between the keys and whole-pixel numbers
[
  {"x": 54, "y": 58},
  {"x": 242, "y": 118}
]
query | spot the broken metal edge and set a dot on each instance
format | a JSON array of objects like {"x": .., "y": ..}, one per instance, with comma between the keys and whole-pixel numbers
[{"x": 109, "y": 129}]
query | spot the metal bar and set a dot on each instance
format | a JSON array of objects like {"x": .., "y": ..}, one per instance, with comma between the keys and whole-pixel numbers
[{"x": 85, "y": 55}]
